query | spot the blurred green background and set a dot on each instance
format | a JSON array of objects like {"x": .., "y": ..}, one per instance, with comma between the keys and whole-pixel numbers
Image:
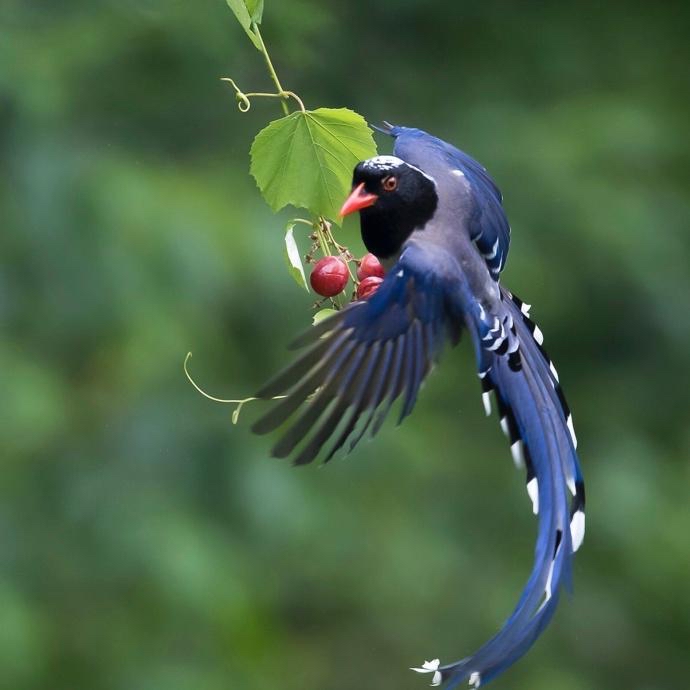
[{"x": 145, "y": 543}]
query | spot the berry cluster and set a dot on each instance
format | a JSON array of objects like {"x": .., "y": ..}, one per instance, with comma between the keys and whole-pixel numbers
[{"x": 330, "y": 275}]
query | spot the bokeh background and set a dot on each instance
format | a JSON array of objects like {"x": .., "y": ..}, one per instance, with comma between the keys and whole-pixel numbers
[{"x": 145, "y": 542}]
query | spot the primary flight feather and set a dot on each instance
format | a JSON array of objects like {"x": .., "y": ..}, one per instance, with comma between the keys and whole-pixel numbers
[{"x": 434, "y": 217}]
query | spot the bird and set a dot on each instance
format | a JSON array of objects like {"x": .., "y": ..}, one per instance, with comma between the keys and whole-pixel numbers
[{"x": 435, "y": 219}]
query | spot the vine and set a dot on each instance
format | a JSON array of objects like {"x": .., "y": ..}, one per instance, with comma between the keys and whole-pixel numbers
[
  {"x": 304, "y": 159},
  {"x": 323, "y": 145},
  {"x": 226, "y": 401}
]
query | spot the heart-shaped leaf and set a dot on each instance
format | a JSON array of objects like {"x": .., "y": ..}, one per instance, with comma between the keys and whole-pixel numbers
[{"x": 306, "y": 159}]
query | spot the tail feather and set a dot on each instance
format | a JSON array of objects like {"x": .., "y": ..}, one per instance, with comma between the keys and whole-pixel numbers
[
  {"x": 537, "y": 421},
  {"x": 573, "y": 472}
]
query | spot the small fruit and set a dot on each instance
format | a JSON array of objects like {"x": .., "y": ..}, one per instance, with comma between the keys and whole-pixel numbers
[
  {"x": 368, "y": 287},
  {"x": 329, "y": 276},
  {"x": 369, "y": 266}
]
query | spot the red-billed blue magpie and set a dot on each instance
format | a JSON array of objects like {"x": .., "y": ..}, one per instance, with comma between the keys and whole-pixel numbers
[{"x": 434, "y": 217}]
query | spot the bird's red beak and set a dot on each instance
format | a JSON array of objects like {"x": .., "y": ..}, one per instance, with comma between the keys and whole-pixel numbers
[{"x": 358, "y": 199}]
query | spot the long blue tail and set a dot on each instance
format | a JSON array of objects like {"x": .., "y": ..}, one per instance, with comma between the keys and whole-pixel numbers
[{"x": 535, "y": 417}]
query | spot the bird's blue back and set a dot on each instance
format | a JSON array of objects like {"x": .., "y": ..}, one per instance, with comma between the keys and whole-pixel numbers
[{"x": 479, "y": 209}]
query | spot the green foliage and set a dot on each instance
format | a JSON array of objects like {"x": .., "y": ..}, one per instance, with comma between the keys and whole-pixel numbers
[
  {"x": 248, "y": 12},
  {"x": 306, "y": 159},
  {"x": 323, "y": 314},
  {"x": 293, "y": 258},
  {"x": 256, "y": 10}
]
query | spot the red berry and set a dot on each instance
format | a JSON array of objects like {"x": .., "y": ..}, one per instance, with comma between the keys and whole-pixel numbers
[
  {"x": 329, "y": 276},
  {"x": 368, "y": 287},
  {"x": 369, "y": 266}
]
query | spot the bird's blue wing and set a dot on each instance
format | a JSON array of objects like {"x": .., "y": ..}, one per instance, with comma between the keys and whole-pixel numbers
[
  {"x": 535, "y": 417},
  {"x": 359, "y": 361},
  {"x": 487, "y": 223}
]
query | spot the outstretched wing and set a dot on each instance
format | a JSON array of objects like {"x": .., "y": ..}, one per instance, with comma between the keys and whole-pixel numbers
[{"x": 359, "y": 361}]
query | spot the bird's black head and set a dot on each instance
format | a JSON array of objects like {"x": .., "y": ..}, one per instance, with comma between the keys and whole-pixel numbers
[{"x": 393, "y": 198}]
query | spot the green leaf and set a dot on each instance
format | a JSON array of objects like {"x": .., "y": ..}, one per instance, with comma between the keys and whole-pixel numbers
[
  {"x": 293, "y": 258},
  {"x": 256, "y": 9},
  {"x": 244, "y": 11},
  {"x": 323, "y": 314},
  {"x": 306, "y": 159}
]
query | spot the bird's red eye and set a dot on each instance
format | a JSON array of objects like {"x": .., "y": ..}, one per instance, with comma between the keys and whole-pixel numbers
[{"x": 390, "y": 183}]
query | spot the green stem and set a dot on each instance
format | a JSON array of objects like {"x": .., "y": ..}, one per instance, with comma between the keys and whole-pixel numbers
[
  {"x": 323, "y": 242},
  {"x": 339, "y": 248},
  {"x": 271, "y": 68},
  {"x": 239, "y": 402},
  {"x": 326, "y": 249}
]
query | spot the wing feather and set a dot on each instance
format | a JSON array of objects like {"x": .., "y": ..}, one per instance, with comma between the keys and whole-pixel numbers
[{"x": 359, "y": 362}]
